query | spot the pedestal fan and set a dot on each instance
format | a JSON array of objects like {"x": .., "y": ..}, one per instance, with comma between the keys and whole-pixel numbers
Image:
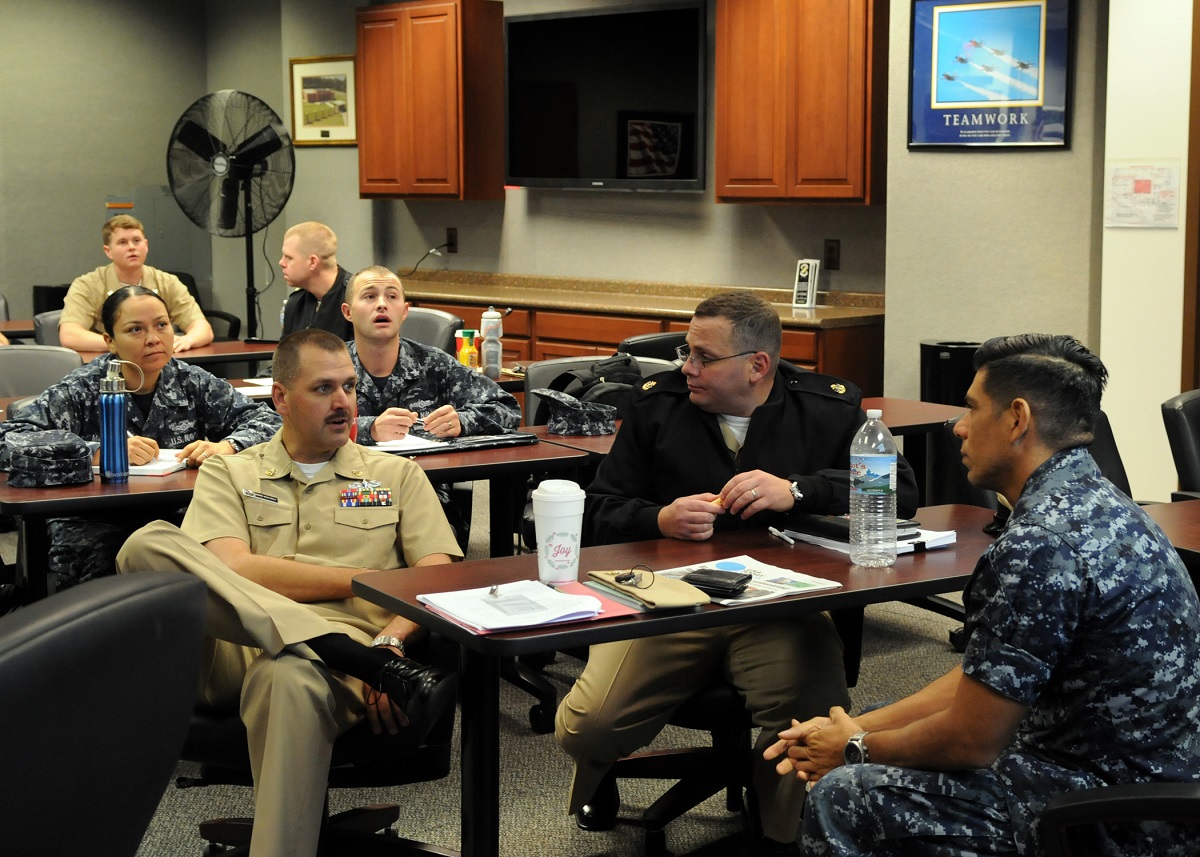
[{"x": 230, "y": 166}]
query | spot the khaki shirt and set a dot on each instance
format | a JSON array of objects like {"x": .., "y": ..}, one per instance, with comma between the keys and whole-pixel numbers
[
  {"x": 89, "y": 292},
  {"x": 262, "y": 498}
]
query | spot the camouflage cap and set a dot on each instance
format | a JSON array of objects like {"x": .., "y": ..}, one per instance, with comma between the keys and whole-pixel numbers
[
  {"x": 568, "y": 415},
  {"x": 39, "y": 459}
]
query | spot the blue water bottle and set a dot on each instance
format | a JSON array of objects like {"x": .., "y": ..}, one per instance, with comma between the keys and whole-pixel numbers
[{"x": 114, "y": 409}]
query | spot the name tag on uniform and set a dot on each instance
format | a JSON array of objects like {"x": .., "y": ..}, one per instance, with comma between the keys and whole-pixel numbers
[{"x": 246, "y": 492}]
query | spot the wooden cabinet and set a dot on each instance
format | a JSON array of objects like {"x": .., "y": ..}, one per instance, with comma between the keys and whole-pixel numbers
[
  {"x": 430, "y": 82},
  {"x": 801, "y": 95},
  {"x": 854, "y": 353}
]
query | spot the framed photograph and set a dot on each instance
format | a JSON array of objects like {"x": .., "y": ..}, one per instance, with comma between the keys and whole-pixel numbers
[
  {"x": 323, "y": 101},
  {"x": 991, "y": 74}
]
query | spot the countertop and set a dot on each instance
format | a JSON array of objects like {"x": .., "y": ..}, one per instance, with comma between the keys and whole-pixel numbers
[{"x": 666, "y": 300}]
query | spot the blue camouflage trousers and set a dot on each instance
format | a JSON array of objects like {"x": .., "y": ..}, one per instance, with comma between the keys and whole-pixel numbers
[
  {"x": 883, "y": 810},
  {"x": 86, "y": 548}
]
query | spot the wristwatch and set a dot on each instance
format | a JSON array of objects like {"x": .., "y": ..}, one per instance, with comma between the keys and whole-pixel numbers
[
  {"x": 797, "y": 494},
  {"x": 856, "y": 750},
  {"x": 388, "y": 640}
]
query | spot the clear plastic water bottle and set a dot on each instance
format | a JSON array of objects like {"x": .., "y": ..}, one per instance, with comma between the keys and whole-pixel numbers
[
  {"x": 873, "y": 494},
  {"x": 114, "y": 429}
]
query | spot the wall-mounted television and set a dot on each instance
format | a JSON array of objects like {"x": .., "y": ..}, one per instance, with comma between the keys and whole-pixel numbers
[{"x": 610, "y": 98}]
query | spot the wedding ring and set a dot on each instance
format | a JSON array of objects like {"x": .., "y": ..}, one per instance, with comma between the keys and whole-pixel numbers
[{"x": 754, "y": 493}]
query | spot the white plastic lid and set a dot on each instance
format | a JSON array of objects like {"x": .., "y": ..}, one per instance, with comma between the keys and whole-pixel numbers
[
  {"x": 874, "y": 414},
  {"x": 558, "y": 487}
]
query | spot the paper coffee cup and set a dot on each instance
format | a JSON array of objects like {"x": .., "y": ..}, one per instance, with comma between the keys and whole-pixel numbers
[{"x": 558, "y": 525}]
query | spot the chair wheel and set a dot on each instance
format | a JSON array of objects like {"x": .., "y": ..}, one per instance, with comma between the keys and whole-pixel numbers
[{"x": 541, "y": 719}]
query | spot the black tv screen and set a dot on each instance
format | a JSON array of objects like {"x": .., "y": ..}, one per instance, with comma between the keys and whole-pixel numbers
[{"x": 608, "y": 99}]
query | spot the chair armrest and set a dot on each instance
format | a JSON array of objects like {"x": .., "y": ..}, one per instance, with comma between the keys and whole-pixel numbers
[
  {"x": 1177, "y": 496},
  {"x": 1178, "y": 802},
  {"x": 235, "y": 323}
]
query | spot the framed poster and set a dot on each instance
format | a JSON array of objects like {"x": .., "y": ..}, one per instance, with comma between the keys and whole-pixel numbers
[
  {"x": 992, "y": 73},
  {"x": 323, "y": 101}
]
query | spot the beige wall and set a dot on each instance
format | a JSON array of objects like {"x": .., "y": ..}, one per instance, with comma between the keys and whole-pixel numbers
[
  {"x": 986, "y": 243},
  {"x": 1142, "y": 287}
]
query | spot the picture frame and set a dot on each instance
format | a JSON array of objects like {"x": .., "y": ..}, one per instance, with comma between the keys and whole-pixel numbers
[
  {"x": 989, "y": 73},
  {"x": 323, "y": 101}
]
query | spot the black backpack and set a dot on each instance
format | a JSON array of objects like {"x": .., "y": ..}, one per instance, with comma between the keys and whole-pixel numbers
[{"x": 610, "y": 381}]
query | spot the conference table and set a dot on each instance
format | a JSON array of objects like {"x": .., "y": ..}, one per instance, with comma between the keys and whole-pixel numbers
[
  {"x": 228, "y": 351},
  {"x": 17, "y": 328},
  {"x": 912, "y": 576},
  {"x": 507, "y": 468}
]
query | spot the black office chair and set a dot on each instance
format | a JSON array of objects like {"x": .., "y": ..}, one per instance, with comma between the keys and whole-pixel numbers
[
  {"x": 1071, "y": 823},
  {"x": 724, "y": 764},
  {"x": 1181, "y": 416},
  {"x": 660, "y": 345},
  {"x": 361, "y": 759},
  {"x": 227, "y": 326},
  {"x": 47, "y": 298},
  {"x": 98, "y": 683},
  {"x": 433, "y": 327}
]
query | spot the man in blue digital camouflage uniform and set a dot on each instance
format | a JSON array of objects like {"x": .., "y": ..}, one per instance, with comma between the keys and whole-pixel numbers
[
  {"x": 401, "y": 382},
  {"x": 1082, "y": 664}
]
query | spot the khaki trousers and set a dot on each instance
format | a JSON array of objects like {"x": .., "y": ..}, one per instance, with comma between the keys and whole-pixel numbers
[
  {"x": 784, "y": 669},
  {"x": 293, "y": 706}
]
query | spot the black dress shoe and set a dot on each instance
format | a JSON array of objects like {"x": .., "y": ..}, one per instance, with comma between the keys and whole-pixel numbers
[
  {"x": 600, "y": 813},
  {"x": 422, "y": 692}
]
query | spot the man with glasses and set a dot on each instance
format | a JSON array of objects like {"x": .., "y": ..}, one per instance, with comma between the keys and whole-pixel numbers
[{"x": 734, "y": 439}]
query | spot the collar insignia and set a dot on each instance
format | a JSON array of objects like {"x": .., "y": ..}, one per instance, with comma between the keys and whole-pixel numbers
[
  {"x": 840, "y": 389},
  {"x": 649, "y": 384}
]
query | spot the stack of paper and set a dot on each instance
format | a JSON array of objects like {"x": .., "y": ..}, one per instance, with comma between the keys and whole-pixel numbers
[
  {"x": 409, "y": 443},
  {"x": 924, "y": 540},
  {"x": 767, "y": 581},
  {"x": 512, "y": 605}
]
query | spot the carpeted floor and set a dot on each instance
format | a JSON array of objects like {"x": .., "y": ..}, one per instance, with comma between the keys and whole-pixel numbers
[{"x": 904, "y": 647}]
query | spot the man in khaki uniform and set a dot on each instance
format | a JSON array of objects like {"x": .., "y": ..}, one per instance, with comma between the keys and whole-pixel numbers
[
  {"x": 124, "y": 237},
  {"x": 277, "y": 532}
]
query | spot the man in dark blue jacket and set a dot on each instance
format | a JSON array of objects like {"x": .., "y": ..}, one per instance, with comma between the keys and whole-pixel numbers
[{"x": 734, "y": 439}]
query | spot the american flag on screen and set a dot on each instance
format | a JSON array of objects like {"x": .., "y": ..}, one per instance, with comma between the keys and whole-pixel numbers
[{"x": 653, "y": 147}]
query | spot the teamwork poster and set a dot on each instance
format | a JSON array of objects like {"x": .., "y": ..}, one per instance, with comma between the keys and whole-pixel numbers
[{"x": 989, "y": 73}]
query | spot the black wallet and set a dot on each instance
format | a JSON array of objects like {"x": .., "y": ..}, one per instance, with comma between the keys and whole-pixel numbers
[{"x": 719, "y": 583}]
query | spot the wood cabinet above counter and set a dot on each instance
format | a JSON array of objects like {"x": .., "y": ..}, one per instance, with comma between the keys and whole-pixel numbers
[{"x": 559, "y": 320}]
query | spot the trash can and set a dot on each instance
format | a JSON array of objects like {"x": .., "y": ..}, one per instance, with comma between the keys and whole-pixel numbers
[{"x": 947, "y": 371}]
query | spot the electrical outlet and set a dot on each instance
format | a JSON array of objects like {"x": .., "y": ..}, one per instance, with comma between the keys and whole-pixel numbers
[
  {"x": 832, "y": 260},
  {"x": 451, "y": 239}
]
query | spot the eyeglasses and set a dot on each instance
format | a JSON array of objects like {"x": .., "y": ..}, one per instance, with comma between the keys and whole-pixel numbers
[
  {"x": 684, "y": 353},
  {"x": 638, "y": 579}
]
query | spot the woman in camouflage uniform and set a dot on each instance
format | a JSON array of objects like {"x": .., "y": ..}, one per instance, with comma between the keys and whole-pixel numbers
[{"x": 172, "y": 405}]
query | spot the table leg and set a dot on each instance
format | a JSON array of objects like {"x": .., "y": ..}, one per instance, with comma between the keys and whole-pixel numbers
[
  {"x": 480, "y": 761},
  {"x": 33, "y": 554},
  {"x": 506, "y": 502}
]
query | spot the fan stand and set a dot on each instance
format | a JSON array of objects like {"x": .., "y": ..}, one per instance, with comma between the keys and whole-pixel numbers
[{"x": 251, "y": 291}]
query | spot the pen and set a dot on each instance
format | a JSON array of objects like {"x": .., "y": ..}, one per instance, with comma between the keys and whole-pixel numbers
[{"x": 779, "y": 534}]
